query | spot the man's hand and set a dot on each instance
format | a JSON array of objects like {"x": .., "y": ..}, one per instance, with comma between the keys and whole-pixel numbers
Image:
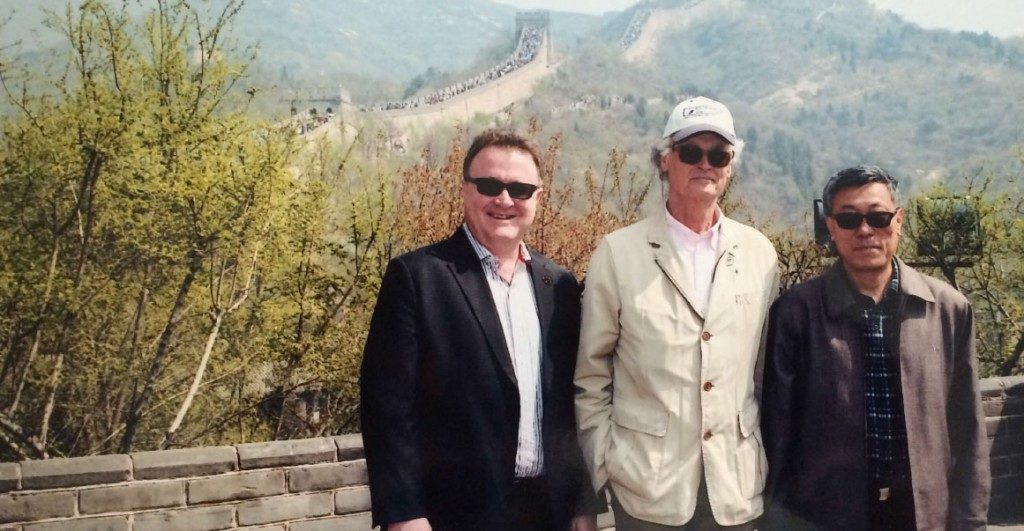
[
  {"x": 586, "y": 522},
  {"x": 419, "y": 524}
]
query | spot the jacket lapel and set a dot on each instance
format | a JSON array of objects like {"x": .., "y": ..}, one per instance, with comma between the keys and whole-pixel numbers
[
  {"x": 722, "y": 306},
  {"x": 678, "y": 272},
  {"x": 543, "y": 290},
  {"x": 469, "y": 275}
]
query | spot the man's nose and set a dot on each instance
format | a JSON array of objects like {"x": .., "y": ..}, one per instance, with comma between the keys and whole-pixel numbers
[
  {"x": 864, "y": 229},
  {"x": 503, "y": 198}
]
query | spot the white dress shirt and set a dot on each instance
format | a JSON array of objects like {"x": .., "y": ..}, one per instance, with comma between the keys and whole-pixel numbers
[
  {"x": 517, "y": 311},
  {"x": 700, "y": 251}
]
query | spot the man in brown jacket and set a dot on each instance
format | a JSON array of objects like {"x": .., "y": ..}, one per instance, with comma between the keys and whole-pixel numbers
[{"x": 871, "y": 412}]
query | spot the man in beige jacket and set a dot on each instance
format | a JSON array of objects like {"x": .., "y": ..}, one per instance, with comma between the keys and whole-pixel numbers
[{"x": 667, "y": 376}]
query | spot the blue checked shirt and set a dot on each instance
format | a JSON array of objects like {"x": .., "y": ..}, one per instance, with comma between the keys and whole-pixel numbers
[{"x": 886, "y": 429}]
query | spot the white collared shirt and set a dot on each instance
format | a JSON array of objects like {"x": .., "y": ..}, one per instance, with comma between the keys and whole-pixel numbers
[
  {"x": 517, "y": 311},
  {"x": 700, "y": 251}
]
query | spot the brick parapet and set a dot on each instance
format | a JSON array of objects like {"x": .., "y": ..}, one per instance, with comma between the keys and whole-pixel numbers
[
  {"x": 313, "y": 484},
  {"x": 299, "y": 484},
  {"x": 1003, "y": 403}
]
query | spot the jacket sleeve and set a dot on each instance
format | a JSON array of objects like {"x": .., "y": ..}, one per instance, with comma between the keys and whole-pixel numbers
[
  {"x": 970, "y": 478},
  {"x": 771, "y": 293},
  {"x": 599, "y": 334},
  {"x": 779, "y": 400},
  {"x": 587, "y": 502},
  {"x": 387, "y": 386}
]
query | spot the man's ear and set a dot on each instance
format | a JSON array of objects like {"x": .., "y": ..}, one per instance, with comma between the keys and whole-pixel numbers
[
  {"x": 663, "y": 161},
  {"x": 832, "y": 227}
]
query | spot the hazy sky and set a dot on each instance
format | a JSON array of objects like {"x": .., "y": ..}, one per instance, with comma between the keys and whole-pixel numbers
[{"x": 1002, "y": 18}]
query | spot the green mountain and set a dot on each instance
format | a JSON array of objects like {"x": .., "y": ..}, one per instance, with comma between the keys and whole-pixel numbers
[{"x": 815, "y": 86}]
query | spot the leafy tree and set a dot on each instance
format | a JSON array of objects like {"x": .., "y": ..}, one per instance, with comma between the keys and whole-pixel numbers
[{"x": 941, "y": 232}]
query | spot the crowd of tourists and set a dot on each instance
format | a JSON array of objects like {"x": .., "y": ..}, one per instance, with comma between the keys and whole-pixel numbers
[{"x": 526, "y": 50}]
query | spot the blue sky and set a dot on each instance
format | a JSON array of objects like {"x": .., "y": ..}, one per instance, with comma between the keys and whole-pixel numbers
[{"x": 1003, "y": 18}]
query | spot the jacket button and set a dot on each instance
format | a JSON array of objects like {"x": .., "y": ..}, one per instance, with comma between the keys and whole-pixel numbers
[
  {"x": 707, "y": 435},
  {"x": 706, "y": 335},
  {"x": 708, "y": 386}
]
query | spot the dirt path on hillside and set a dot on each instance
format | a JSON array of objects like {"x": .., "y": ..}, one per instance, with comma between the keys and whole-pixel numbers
[{"x": 664, "y": 21}]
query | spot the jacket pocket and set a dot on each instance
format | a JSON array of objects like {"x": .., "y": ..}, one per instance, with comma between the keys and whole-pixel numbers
[
  {"x": 637, "y": 447},
  {"x": 751, "y": 463}
]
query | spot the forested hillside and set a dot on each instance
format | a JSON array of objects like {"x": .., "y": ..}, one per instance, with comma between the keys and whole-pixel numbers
[{"x": 815, "y": 86}]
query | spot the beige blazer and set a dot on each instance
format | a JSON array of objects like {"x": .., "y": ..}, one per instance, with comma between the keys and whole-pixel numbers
[{"x": 665, "y": 394}]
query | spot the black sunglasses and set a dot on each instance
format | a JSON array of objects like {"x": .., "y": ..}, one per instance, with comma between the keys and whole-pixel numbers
[
  {"x": 852, "y": 220},
  {"x": 690, "y": 154},
  {"x": 492, "y": 187}
]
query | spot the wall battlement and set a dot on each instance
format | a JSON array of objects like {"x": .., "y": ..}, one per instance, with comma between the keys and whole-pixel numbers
[{"x": 313, "y": 484}]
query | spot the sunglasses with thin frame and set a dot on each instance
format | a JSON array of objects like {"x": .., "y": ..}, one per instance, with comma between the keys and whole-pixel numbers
[
  {"x": 492, "y": 187},
  {"x": 692, "y": 155},
  {"x": 852, "y": 220}
]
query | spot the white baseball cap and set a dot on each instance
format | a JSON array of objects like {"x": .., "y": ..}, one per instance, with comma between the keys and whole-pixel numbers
[{"x": 698, "y": 115}]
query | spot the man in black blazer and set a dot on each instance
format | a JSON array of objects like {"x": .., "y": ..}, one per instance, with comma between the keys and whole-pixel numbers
[{"x": 466, "y": 382}]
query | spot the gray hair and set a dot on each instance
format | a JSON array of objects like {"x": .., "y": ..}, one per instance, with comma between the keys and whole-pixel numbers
[
  {"x": 665, "y": 145},
  {"x": 856, "y": 177}
]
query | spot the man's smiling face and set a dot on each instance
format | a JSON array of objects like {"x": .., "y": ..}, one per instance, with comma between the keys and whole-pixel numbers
[{"x": 500, "y": 222}]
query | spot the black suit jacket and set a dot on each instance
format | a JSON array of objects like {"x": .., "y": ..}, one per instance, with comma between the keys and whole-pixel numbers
[{"x": 440, "y": 404}]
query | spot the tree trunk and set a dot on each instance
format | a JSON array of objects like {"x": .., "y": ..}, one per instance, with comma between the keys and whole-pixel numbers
[
  {"x": 193, "y": 389},
  {"x": 39, "y": 331},
  {"x": 1007, "y": 367},
  {"x": 163, "y": 347}
]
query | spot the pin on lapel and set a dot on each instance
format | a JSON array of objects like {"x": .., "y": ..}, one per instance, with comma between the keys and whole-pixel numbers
[
  {"x": 729, "y": 260},
  {"x": 546, "y": 279}
]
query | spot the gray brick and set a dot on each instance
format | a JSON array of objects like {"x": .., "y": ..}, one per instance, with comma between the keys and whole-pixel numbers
[
  {"x": 1007, "y": 444},
  {"x": 106, "y": 523},
  {"x": 992, "y": 426},
  {"x": 993, "y": 408},
  {"x": 274, "y": 527},
  {"x": 1000, "y": 466},
  {"x": 1013, "y": 405},
  {"x": 1017, "y": 464},
  {"x": 239, "y": 486},
  {"x": 1014, "y": 385},
  {"x": 328, "y": 476},
  {"x": 350, "y": 522},
  {"x": 10, "y": 477},
  {"x": 286, "y": 453},
  {"x": 991, "y": 387},
  {"x": 193, "y": 519},
  {"x": 135, "y": 496},
  {"x": 350, "y": 446},
  {"x": 76, "y": 471},
  {"x": 20, "y": 507},
  {"x": 187, "y": 462},
  {"x": 352, "y": 500},
  {"x": 284, "y": 508}
]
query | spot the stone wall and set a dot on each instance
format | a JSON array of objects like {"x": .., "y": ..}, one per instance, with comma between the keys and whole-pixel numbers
[
  {"x": 298, "y": 485},
  {"x": 1003, "y": 400},
  {"x": 313, "y": 484}
]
